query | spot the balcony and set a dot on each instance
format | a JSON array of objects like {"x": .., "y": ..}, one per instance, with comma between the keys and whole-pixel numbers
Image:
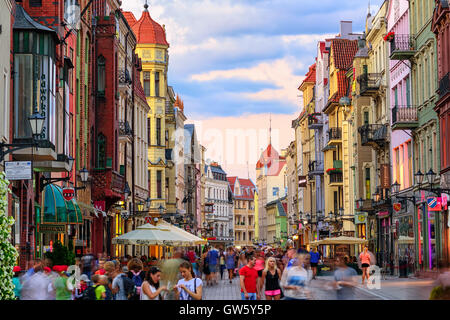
[
  {"x": 444, "y": 85},
  {"x": 334, "y": 136},
  {"x": 374, "y": 135},
  {"x": 315, "y": 121},
  {"x": 369, "y": 84},
  {"x": 125, "y": 129},
  {"x": 107, "y": 183},
  {"x": 315, "y": 168},
  {"x": 404, "y": 117},
  {"x": 124, "y": 80},
  {"x": 336, "y": 177},
  {"x": 403, "y": 47}
]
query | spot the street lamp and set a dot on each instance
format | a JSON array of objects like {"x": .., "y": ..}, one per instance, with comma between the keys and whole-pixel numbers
[
  {"x": 341, "y": 211},
  {"x": 360, "y": 203},
  {"x": 161, "y": 209},
  {"x": 84, "y": 173},
  {"x": 419, "y": 177},
  {"x": 37, "y": 123},
  {"x": 377, "y": 196},
  {"x": 430, "y": 176},
  {"x": 126, "y": 191},
  {"x": 395, "y": 187},
  {"x": 147, "y": 203}
]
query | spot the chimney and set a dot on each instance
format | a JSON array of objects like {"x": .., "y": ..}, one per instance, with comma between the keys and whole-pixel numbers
[{"x": 346, "y": 29}]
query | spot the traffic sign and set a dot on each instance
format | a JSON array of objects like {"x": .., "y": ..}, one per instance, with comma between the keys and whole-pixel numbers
[
  {"x": 434, "y": 204},
  {"x": 68, "y": 193},
  {"x": 148, "y": 219}
]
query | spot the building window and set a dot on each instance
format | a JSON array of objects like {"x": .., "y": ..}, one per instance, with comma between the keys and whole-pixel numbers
[
  {"x": 158, "y": 131},
  {"x": 366, "y": 117},
  {"x": 35, "y": 3},
  {"x": 157, "y": 84},
  {"x": 101, "y": 76},
  {"x": 101, "y": 151},
  {"x": 167, "y": 189},
  {"x": 159, "y": 184},
  {"x": 149, "y": 132},
  {"x": 147, "y": 83},
  {"x": 149, "y": 183}
]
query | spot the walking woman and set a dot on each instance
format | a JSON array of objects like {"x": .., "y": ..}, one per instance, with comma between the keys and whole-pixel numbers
[
  {"x": 190, "y": 287},
  {"x": 222, "y": 265},
  {"x": 271, "y": 275},
  {"x": 230, "y": 263},
  {"x": 364, "y": 257},
  {"x": 150, "y": 288}
]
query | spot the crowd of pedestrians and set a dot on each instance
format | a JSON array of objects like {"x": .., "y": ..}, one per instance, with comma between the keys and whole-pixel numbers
[{"x": 263, "y": 273}]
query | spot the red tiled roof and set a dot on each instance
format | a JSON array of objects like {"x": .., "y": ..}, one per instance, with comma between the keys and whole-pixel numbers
[
  {"x": 344, "y": 51},
  {"x": 269, "y": 153},
  {"x": 129, "y": 16},
  {"x": 310, "y": 76},
  {"x": 147, "y": 30},
  {"x": 247, "y": 187}
]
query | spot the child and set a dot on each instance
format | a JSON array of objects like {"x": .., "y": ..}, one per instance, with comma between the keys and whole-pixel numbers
[
  {"x": 16, "y": 282},
  {"x": 99, "y": 281}
]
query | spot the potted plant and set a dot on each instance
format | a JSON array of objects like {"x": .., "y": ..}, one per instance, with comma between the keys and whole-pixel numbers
[{"x": 389, "y": 36}]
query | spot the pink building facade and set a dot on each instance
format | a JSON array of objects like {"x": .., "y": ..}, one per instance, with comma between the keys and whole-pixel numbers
[{"x": 400, "y": 95}]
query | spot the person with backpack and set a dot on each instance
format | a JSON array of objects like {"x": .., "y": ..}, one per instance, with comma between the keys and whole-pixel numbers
[
  {"x": 189, "y": 287},
  {"x": 98, "y": 289},
  {"x": 122, "y": 287},
  {"x": 136, "y": 273}
]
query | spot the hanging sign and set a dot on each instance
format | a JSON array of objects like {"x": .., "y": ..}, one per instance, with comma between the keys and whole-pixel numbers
[
  {"x": 444, "y": 201},
  {"x": 434, "y": 204},
  {"x": 68, "y": 193},
  {"x": 397, "y": 207}
]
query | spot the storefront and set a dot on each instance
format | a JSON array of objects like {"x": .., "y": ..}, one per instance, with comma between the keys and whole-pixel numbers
[
  {"x": 384, "y": 253},
  {"x": 57, "y": 220}
]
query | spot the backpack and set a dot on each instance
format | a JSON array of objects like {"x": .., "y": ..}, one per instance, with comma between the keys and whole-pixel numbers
[
  {"x": 130, "y": 288},
  {"x": 89, "y": 293}
]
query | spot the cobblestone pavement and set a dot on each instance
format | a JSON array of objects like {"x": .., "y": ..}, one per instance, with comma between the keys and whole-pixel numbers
[{"x": 391, "y": 289}]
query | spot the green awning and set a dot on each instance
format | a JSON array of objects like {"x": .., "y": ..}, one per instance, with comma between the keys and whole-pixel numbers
[{"x": 57, "y": 210}]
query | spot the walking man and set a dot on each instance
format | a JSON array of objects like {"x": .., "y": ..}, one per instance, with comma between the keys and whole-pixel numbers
[
  {"x": 213, "y": 259},
  {"x": 315, "y": 256},
  {"x": 249, "y": 280}
]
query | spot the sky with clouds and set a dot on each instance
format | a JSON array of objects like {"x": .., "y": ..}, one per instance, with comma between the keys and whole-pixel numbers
[{"x": 237, "y": 61}]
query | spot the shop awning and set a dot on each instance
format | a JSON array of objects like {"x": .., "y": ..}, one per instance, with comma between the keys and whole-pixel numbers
[{"x": 56, "y": 209}]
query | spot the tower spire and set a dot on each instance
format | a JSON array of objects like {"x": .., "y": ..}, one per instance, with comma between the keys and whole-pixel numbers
[
  {"x": 368, "y": 12},
  {"x": 146, "y": 5},
  {"x": 270, "y": 128}
]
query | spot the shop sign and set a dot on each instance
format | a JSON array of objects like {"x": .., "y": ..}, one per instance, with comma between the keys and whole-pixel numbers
[
  {"x": 434, "y": 204},
  {"x": 18, "y": 170},
  {"x": 52, "y": 228},
  {"x": 444, "y": 201},
  {"x": 397, "y": 207},
  {"x": 383, "y": 213},
  {"x": 385, "y": 176},
  {"x": 213, "y": 238},
  {"x": 68, "y": 193},
  {"x": 302, "y": 182},
  {"x": 360, "y": 219}
]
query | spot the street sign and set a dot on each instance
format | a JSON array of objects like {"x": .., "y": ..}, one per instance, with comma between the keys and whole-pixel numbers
[
  {"x": 18, "y": 170},
  {"x": 444, "y": 201},
  {"x": 434, "y": 204},
  {"x": 68, "y": 193},
  {"x": 397, "y": 207},
  {"x": 148, "y": 219}
]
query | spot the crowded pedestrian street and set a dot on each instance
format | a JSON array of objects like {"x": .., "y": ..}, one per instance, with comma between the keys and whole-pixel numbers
[{"x": 223, "y": 150}]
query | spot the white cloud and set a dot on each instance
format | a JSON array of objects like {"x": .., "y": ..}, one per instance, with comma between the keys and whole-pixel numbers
[{"x": 278, "y": 72}]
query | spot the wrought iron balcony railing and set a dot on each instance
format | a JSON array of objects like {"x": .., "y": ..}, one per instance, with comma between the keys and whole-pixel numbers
[
  {"x": 403, "y": 47},
  {"x": 315, "y": 168},
  {"x": 444, "y": 85},
  {"x": 334, "y": 134},
  {"x": 374, "y": 135},
  {"x": 125, "y": 129},
  {"x": 369, "y": 83},
  {"x": 124, "y": 77},
  {"x": 315, "y": 121}
]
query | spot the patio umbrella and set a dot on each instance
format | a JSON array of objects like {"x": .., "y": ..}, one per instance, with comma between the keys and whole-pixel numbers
[
  {"x": 339, "y": 240},
  {"x": 149, "y": 234},
  {"x": 183, "y": 233}
]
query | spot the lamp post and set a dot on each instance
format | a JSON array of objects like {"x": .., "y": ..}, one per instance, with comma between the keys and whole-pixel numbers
[{"x": 430, "y": 176}]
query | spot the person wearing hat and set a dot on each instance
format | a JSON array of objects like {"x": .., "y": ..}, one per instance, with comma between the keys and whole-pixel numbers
[
  {"x": 16, "y": 282},
  {"x": 83, "y": 285},
  {"x": 60, "y": 284}
]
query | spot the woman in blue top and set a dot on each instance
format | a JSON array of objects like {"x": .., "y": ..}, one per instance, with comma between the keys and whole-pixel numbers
[
  {"x": 16, "y": 282},
  {"x": 230, "y": 262},
  {"x": 315, "y": 256}
]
